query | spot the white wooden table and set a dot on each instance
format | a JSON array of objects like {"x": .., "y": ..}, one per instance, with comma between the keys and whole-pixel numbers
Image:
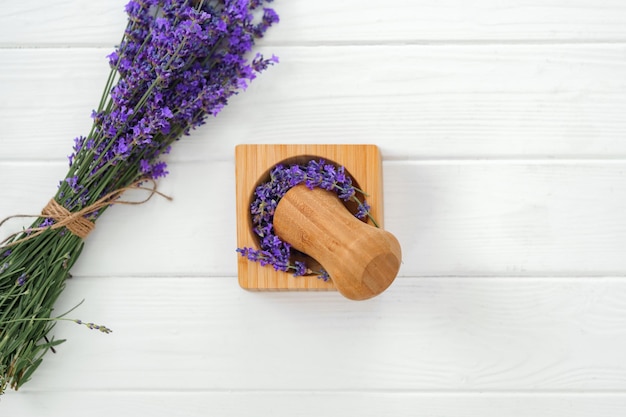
[{"x": 503, "y": 130}]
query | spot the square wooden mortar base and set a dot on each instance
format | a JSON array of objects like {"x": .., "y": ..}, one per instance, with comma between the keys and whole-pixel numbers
[{"x": 252, "y": 165}]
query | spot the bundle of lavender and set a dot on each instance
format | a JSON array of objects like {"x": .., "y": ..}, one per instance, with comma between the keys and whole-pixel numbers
[{"x": 178, "y": 62}]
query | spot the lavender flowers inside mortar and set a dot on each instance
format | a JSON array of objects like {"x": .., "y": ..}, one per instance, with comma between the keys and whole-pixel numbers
[{"x": 275, "y": 252}]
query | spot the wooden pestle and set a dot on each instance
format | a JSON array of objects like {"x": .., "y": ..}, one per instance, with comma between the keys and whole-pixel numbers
[{"x": 362, "y": 260}]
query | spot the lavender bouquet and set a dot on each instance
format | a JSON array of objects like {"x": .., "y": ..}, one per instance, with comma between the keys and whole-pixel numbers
[{"x": 178, "y": 62}]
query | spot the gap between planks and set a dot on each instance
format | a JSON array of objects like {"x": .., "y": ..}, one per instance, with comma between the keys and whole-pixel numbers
[
  {"x": 359, "y": 43},
  {"x": 229, "y": 276},
  {"x": 407, "y": 392},
  {"x": 600, "y": 160}
]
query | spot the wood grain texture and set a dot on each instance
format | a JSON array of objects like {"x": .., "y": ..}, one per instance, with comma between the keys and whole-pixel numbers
[
  {"x": 361, "y": 259},
  {"x": 431, "y": 334},
  {"x": 415, "y": 102},
  {"x": 252, "y": 166},
  {"x": 80, "y": 23},
  {"x": 311, "y": 404}
]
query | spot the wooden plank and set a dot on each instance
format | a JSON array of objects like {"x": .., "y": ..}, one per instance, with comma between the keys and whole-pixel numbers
[
  {"x": 512, "y": 218},
  {"x": 289, "y": 403},
  {"x": 453, "y": 334},
  {"x": 501, "y": 218},
  {"x": 75, "y": 22},
  {"x": 537, "y": 101}
]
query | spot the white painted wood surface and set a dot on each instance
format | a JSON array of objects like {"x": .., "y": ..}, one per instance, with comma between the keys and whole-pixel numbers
[{"x": 503, "y": 131}]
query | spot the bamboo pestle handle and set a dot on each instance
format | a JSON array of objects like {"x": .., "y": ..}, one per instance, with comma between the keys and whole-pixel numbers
[{"x": 362, "y": 260}]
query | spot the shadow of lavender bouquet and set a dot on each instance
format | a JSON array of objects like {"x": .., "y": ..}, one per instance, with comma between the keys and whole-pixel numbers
[{"x": 178, "y": 62}]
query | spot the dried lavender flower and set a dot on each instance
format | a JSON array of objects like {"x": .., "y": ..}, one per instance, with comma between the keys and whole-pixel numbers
[{"x": 91, "y": 326}]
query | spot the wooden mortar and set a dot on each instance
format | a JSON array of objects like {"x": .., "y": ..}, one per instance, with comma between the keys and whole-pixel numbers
[{"x": 362, "y": 260}]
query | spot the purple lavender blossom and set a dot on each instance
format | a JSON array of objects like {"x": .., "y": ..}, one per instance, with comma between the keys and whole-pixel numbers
[
  {"x": 300, "y": 269},
  {"x": 324, "y": 275},
  {"x": 316, "y": 173},
  {"x": 364, "y": 209},
  {"x": 21, "y": 280},
  {"x": 179, "y": 62},
  {"x": 72, "y": 182},
  {"x": 47, "y": 222}
]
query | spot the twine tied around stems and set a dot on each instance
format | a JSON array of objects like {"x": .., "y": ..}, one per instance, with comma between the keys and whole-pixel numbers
[
  {"x": 78, "y": 225},
  {"x": 76, "y": 222}
]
